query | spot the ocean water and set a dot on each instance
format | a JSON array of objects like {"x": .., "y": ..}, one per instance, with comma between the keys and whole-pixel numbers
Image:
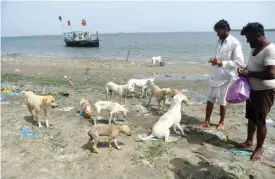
[{"x": 187, "y": 47}]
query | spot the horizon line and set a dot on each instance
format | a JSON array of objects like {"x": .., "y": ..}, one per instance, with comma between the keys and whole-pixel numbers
[{"x": 269, "y": 29}]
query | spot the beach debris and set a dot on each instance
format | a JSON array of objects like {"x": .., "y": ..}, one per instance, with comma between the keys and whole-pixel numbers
[
  {"x": 212, "y": 133},
  {"x": 142, "y": 110},
  {"x": 269, "y": 151},
  {"x": 5, "y": 90},
  {"x": 78, "y": 113},
  {"x": 66, "y": 94},
  {"x": 27, "y": 133},
  {"x": 4, "y": 97},
  {"x": 183, "y": 90},
  {"x": 65, "y": 109},
  {"x": 195, "y": 103},
  {"x": 6, "y": 102},
  {"x": 239, "y": 153},
  {"x": 16, "y": 70},
  {"x": 71, "y": 83},
  {"x": 269, "y": 121},
  {"x": 219, "y": 134}
]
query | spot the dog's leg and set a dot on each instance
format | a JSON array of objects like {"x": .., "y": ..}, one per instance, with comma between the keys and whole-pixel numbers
[
  {"x": 111, "y": 95},
  {"x": 94, "y": 119},
  {"x": 150, "y": 98},
  {"x": 181, "y": 130},
  {"x": 110, "y": 119},
  {"x": 46, "y": 115},
  {"x": 175, "y": 129},
  {"x": 166, "y": 138},
  {"x": 96, "y": 140},
  {"x": 159, "y": 107},
  {"x": 110, "y": 143},
  {"x": 30, "y": 109},
  {"x": 107, "y": 92},
  {"x": 38, "y": 118},
  {"x": 146, "y": 92},
  {"x": 118, "y": 147}
]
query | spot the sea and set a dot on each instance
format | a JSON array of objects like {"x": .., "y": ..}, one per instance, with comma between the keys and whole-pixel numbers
[{"x": 186, "y": 47}]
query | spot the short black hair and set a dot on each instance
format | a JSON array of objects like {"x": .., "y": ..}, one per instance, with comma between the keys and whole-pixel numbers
[
  {"x": 253, "y": 27},
  {"x": 222, "y": 25}
]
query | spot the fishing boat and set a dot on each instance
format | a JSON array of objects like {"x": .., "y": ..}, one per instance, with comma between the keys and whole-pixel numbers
[{"x": 80, "y": 39}]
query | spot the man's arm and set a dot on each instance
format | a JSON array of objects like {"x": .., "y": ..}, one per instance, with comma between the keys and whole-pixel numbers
[
  {"x": 237, "y": 60},
  {"x": 267, "y": 74}
]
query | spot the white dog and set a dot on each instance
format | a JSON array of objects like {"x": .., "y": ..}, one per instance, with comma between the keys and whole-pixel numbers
[
  {"x": 161, "y": 129},
  {"x": 113, "y": 108},
  {"x": 141, "y": 83},
  {"x": 156, "y": 60},
  {"x": 121, "y": 90}
]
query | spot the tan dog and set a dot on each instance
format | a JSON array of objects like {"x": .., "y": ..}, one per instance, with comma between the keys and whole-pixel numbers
[
  {"x": 86, "y": 108},
  {"x": 112, "y": 131},
  {"x": 36, "y": 104}
]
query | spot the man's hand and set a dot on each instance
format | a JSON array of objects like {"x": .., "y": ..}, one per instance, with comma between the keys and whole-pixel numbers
[
  {"x": 216, "y": 61},
  {"x": 243, "y": 72}
]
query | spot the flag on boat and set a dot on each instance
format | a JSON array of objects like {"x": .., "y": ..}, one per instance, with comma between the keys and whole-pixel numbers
[
  {"x": 60, "y": 18},
  {"x": 83, "y": 22},
  {"x": 69, "y": 22}
]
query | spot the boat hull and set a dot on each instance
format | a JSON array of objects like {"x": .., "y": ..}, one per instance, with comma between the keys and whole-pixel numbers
[{"x": 83, "y": 43}]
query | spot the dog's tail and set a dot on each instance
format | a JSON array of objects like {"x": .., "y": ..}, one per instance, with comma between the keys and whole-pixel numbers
[{"x": 150, "y": 137}]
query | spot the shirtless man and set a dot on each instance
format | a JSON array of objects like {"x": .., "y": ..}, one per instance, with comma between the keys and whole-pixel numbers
[
  {"x": 228, "y": 56},
  {"x": 260, "y": 72}
]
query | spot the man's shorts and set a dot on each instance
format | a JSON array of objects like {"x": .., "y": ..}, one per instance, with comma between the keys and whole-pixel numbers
[
  {"x": 223, "y": 93},
  {"x": 258, "y": 105}
]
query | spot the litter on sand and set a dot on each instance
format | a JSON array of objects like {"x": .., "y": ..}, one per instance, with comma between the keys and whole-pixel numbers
[
  {"x": 142, "y": 110},
  {"x": 27, "y": 133},
  {"x": 65, "y": 109},
  {"x": 79, "y": 114},
  {"x": 239, "y": 153},
  {"x": 269, "y": 121}
]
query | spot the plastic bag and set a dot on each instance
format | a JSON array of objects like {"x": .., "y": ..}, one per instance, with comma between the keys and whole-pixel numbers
[{"x": 239, "y": 91}]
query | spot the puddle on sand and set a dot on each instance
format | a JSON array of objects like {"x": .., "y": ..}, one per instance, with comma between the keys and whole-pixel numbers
[{"x": 176, "y": 76}]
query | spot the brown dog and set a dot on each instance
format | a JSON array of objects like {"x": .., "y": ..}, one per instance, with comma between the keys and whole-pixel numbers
[
  {"x": 36, "y": 104},
  {"x": 112, "y": 131},
  {"x": 86, "y": 108}
]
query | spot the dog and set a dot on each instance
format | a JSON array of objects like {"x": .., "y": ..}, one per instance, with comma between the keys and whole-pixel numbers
[
  {"x": 156, "y": 60},
  {"x": 86, "y": 108},
  {"x": 114, "y": 108},
  {"x": 172, "y": 118},
  {"x": 141, "y": 83},
  {"x": 121, "y": 90},
  {"x": 112, "y": 131},
  {"x": 36, "y": 104}
]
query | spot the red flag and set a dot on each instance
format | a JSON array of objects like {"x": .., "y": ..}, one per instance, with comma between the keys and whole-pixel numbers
[
  {"x": 83, "y": 22},
  {"x": 69, "y": 22}
]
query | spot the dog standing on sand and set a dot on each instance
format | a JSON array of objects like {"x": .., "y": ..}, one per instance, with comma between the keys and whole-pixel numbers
[
  {"x": 112, "y": 131},
  {"x": 36, "y": 104}
]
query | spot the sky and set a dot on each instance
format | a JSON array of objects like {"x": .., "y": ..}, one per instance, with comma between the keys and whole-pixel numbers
[{"x": 27, "y": 18}]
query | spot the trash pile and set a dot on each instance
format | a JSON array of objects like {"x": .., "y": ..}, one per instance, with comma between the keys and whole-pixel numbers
[
  {"x": 142, "y": 110},
  {"x": 6, "y": 92}
]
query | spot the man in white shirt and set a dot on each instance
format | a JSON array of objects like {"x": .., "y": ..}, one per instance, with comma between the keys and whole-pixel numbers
[
  {"x": 228, "y": 56},
  {"x": 260, "y": 72}
]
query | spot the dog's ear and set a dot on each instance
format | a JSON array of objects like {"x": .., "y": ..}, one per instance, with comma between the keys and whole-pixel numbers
[{"x": 47, "y": 99}]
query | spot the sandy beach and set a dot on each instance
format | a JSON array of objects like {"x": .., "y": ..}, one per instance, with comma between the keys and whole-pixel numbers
[{"x": 62, "y": 150}]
